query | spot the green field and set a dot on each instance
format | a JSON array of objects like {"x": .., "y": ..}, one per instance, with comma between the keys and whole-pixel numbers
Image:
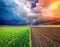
[{"x": 15, "y": 36}]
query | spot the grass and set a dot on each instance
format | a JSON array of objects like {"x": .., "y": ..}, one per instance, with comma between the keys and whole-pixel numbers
[{"x": 15, "y": 37}]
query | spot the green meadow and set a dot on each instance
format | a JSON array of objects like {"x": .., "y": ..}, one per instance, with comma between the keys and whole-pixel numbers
[{"x": 15, "y": 36}]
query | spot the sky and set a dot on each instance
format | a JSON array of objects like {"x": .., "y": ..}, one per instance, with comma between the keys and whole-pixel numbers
[
  {"x": 27, "y": 12},
  {"x": 16, "y": 12}
]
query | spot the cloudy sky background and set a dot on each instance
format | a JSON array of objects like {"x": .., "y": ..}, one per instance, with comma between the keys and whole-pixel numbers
[
  {"x": 16, "y": 12},
  {"x": 26, "y": 12}
]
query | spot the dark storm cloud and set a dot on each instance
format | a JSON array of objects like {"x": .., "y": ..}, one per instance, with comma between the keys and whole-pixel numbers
[{"x": 12, "y": 14}]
